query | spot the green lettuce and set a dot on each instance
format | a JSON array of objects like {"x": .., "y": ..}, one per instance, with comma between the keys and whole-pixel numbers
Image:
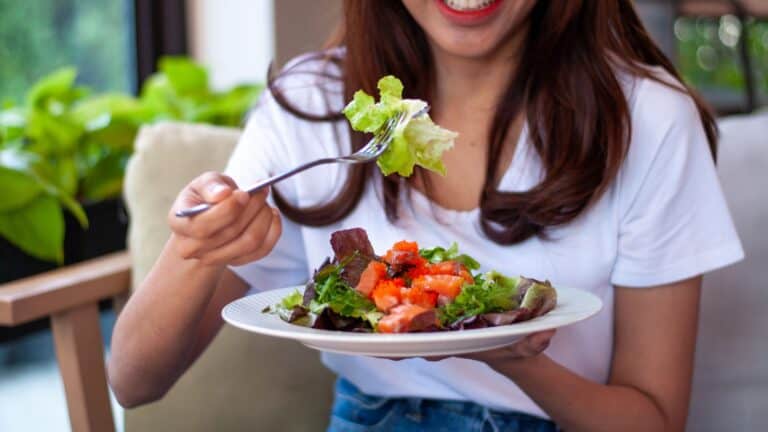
[
  {"x": 285, "y": 309},
  {"x": 333, "y": 292},
  {"x": 491, "y": 292},
  {"x": 440, "y": 254},
  {"x": 418, "y": 141}
]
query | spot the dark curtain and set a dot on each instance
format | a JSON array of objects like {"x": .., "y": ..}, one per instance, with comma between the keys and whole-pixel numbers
[{"x": 161, "y": 29}]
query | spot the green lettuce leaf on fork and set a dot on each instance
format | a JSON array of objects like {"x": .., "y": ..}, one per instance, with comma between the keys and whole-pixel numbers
[{"x": 418, "y": 141}]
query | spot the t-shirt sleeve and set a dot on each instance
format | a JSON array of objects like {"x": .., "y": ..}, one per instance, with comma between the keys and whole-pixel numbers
[
  {"x": 673, "y": 218},
  {"x": 256, "y": 157}
]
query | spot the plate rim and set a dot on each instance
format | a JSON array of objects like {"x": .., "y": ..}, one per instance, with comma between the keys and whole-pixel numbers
[{"x": 302, "y": 334}]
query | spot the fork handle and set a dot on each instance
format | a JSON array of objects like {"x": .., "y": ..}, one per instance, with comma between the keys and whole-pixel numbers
[{"x": 191, "y": 211}]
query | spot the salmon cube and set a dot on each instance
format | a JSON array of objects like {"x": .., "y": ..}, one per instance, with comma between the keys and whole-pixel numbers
[
  {"x": 445, "y": 285},
  {"x": 386, "y": 295},
  {"x": 399, "y": 320},
  {"x": 418, "y": 296},
  {"x": 373, "y": 273}
]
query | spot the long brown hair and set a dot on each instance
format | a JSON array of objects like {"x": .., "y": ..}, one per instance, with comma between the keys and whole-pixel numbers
[{"x": 577, "y": 112}]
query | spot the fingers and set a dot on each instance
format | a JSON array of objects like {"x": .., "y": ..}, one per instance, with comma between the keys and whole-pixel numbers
[
  {"x": 229, "y": 232},
  {"x": 270, "y": 240},
  {"x": 533, "y": 344},
  {"x": 530, "y": 346},
  {"x": 212, "y": 186},
  {"x": 225, "y": 213},
  {"x": 205, "y": 224},
  {"x": 429, "y": 358},
  {"x": 540, "y": 341},
  {"x": 248, "y": 243},
  {"x": 217, "y": 189},
  {"x": 436, "y": 358},
  {"x": 238, "y": 227}
]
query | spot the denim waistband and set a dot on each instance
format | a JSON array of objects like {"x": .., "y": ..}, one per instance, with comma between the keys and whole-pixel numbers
[{"x": 419, "y": 411}]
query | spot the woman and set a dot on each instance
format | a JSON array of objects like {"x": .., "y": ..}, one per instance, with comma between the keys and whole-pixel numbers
[{"x": 582, "y": 158}]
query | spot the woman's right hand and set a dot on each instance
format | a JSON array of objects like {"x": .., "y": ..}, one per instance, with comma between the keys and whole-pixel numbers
[{"x": 238, "y": 229}]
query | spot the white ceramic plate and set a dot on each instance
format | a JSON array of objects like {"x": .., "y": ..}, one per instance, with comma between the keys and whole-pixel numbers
[{"x": 246, "y": 313}]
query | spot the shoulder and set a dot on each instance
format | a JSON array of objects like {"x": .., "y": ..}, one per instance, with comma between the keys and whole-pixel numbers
[
  {"x": 660, "y": 102},
  {"x": 664, "y": 118},
  {"x": 667, "y": 133}
]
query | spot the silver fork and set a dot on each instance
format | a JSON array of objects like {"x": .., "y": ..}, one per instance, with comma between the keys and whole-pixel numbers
[{"x": 369, "y": 153}]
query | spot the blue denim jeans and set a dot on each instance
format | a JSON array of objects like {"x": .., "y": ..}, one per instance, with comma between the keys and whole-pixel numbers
[{"x": 355, "y": 411}]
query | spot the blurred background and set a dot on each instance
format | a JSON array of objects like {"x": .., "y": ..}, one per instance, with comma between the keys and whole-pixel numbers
[{"x": 79, "y": 78}]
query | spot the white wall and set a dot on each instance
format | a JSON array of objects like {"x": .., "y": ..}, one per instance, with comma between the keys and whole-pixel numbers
[{"x": 234, "y": 38}]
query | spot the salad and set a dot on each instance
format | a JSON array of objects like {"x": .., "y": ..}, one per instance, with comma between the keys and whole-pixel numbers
[
  {"x": 409, "y": 289},
  {"x": 418, "y": 141}
]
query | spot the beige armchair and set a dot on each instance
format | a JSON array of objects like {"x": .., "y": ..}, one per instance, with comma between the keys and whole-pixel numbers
[{"x": 243, "y": 382}]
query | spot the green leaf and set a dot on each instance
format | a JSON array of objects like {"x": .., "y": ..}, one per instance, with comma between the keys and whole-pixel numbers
[
  {"x": 537, "y": 293},
  {"x": 111, "y": 120},
  {"x": 400, "y": 157},
  {"x": 491, "y": 292},
  {"x": 228, "y": 109},
  {"x": 155, "y": 91},
  {"x": 66, "y": 175},
  {"x": 116, "y": 134},
  {"x": 184, "y": 75},
  {"x": 439, "y": 254},
  {"x": 390, "y": 90},
  {"x": 341, "y": 298},
  {"x": 37, "y": 229},
  {"x": 17, "y": 179},
  {"x": 292, "y": 300},
  {"x": 76, "y": 209},
  {"x": 105, "y": 178},
  {"x": 58, "y": 84},
  {"x": 165, "y": 103},
  {"x": 13, "y": 122},
  {"x": 53, "y": 135},
  {"x": 417, "y": 141},
  {"x": 363, "y": 113},
  {"x": 18, "y": 189},
  {"x": 44, "y": 176},
  {"x": 180, "y": 91},
  {"x": 92, "y": 110},
  {"x": 429, "y": 142}
]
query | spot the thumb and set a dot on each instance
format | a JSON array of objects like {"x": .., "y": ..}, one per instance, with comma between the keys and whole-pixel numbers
[{"x": 215, "y": 191}]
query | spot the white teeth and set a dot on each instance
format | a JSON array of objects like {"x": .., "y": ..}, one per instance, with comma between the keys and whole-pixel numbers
[{"x": 467, "y": 5}]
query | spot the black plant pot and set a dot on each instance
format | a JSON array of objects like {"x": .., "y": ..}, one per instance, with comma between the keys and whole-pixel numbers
[{"x": 108, "y": 226}]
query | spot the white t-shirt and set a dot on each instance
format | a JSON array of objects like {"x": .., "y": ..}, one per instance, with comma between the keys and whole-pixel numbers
[{"x": 663, "y": 219}]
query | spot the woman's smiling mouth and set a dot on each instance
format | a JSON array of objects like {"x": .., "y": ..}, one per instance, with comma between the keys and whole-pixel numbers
[
  {"x": 468, "y": 12},
  {"x": 468, "y": 5}
]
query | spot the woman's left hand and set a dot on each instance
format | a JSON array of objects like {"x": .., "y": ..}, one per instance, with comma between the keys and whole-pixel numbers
[{"x": 530, "y": 346}]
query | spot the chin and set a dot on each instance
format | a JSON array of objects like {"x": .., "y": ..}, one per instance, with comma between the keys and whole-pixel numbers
[
  {"x": 469, "y": 28},
  {"x": 462, "y": 44}
]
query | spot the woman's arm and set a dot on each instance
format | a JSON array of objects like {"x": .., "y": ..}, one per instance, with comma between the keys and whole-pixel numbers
[
  {"x": 650, "y": 381},
  {"x": 174, "y": 313},
  {"x": 155, "y": 336}
]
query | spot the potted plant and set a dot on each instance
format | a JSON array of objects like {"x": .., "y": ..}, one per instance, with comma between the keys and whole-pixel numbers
[{"x": 63, "y": 154}]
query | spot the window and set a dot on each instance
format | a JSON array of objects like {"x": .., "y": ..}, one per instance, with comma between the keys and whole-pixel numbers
[{"x": 39, "y": 36}]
